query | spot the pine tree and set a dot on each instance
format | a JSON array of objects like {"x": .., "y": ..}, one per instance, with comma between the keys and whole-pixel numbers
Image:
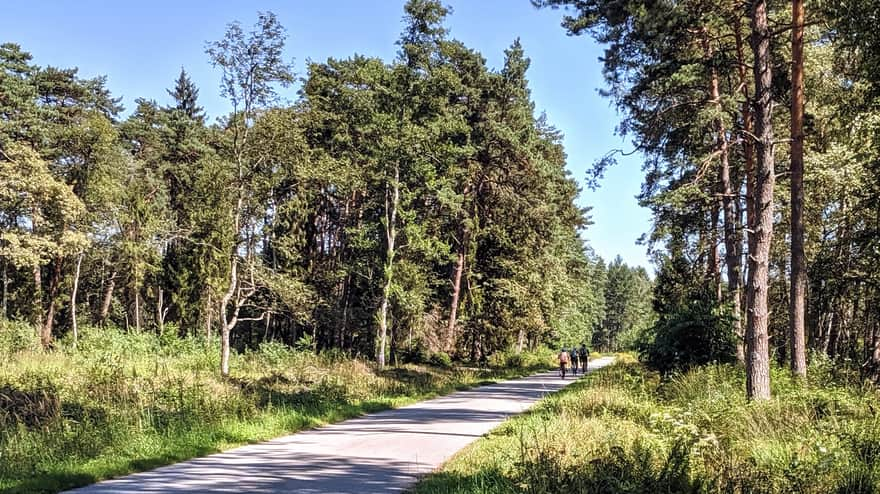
[{"x": 186, "y": 96}]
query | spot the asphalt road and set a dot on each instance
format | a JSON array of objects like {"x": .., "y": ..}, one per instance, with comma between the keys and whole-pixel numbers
[{"x": 381, "y": 452}]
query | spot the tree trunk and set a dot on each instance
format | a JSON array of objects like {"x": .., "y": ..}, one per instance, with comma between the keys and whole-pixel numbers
[
  {"x": 54, "y": 285},
  {"x": 729, "y": 202},
  {"x": 392, "y": 200},
  {"x": 797, "y": 304},
  {"x": 4, "y": 307},
  {"x": 37, "y": 306},
  {"x": 209, "y": 313},
  {"x": 73, "y": 322},
  {"x": 456, "y": 292},
  {"x": 757, "y": 351},
  {"x": 457, "y": 273},
  {"x": 714, "y": 258},
  {"x": 107, "y": 299},
  {"x": 227, "y": 322},
  {"x": 748, "y": 148},
  {"x": 137, "y": 309},
  {"x": 520, "y": 340},
  {"x": 160, "y": 309}
]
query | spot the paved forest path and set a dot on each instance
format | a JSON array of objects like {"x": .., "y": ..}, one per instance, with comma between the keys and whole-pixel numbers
[{"x": 380, "y": 452}]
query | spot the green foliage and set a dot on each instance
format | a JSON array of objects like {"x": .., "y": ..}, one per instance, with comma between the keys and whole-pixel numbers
[
  {"x": 342, "y": 215},
  {"x": 440, "y": 359},
  {"x": 541, "y": 358},
  {"x": 17, "y": 336},
  {"x": 695, "y": 334}
]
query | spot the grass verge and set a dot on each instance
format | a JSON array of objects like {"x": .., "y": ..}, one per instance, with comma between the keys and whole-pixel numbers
[
  {"x": 623, "y": 429},
  {"x": 121, "y": 403}
]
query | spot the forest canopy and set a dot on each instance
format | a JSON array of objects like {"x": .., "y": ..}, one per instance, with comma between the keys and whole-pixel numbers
[{"x": 394, "y": 208}]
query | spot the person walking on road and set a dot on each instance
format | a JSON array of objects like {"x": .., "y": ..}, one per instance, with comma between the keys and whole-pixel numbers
[
  {"x": 574, "y": 360},
  {"x": 564, "y": 360},
  {"x": 584, "y": 355}
]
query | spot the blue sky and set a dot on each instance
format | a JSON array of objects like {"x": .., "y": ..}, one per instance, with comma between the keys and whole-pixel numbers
[{"x": 140, "y": 47}]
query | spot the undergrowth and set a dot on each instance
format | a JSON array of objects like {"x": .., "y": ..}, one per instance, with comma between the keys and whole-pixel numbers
[
  {"x": 123, "y": 402},
  {"x": 623, "y": 429}
]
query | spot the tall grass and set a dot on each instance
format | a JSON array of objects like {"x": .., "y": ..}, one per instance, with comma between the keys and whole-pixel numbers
[
  {"x": 122, "y": 402},
  {"x": 624, "y": 430}
]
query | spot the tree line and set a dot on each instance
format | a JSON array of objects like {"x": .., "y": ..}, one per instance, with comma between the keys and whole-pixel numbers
[
  {"x": 758, "y": 122},
  {"x": 392, "y": 207}
]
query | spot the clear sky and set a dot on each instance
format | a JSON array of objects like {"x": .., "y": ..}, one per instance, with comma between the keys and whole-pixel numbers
[{"x": 141, "y": 46}]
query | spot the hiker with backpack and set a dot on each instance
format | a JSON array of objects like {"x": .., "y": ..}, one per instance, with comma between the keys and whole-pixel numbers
[
  {"x": 584, "y": 354},
  {"x": 564, "y": 360},
  {"x": 574, "y": 360}
]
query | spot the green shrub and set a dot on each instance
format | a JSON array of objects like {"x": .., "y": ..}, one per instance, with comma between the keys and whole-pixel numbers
[
  {"x": 440, "y": 359},
  {"x": 697, "y": 333},
  {"x": 17, "y": 336},
  {"x": 274, "y": 353},
  {"x": 539, "y": 358},
  {"x": 415, "y": 354}
]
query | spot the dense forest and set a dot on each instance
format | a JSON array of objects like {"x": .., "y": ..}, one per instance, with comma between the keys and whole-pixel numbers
[
  {"x": 758, "y": 122},
  {"x": 393, "y": 209}
]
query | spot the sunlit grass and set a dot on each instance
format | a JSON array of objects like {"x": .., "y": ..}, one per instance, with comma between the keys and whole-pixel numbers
[
  {"x": 624, "y": 429},
  {"x": 121, "y": 403}
]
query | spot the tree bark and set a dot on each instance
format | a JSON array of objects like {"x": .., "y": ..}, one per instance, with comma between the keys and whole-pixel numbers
[
  {"x": 4, "y": 308},
  {"x": 456, "y": 291},
  {"x": 457, "y": 273},
  {"x": 714, "y": 258},
  {"x": 37, "y": 306},
  {"x": 209, "y": 313},
  {"x": 227, "y": 323},
  {"x": 797, "y": 306},
  {"x": 757, "y": 350},
  {"x": 729, "y": 203},
  {"x": 73, "y": 292},
  {"x": 160, "y": 309},
  {"x": 392, "y": 200},
  {"x": 108, "y": 298},
  {"x": 748, "y": 148},
  {"x": 137, "y": 309},
  {"x": 54, "y": 285}
]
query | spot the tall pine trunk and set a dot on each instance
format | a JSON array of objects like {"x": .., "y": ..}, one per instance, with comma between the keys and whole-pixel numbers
[
  {"x": 797, "y": 306},
  {"x": 748, "y": 149},
  {"x": 729, "y": 202},
  {"x": 757, "y": 344}
]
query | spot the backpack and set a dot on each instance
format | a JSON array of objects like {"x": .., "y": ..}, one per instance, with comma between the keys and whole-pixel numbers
[
  {"x": 584, "y": 352},
  {"x": 563, "y": 357}
]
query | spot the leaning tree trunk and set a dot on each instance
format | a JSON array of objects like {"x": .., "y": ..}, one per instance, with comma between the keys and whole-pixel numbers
[
  {"x": 797, "y": 306},
  {"x": 107, "y": 300},
  {"x": 458, "y": 272},
  {"x": 456, "y": 290},
  {"x": 757, "y": 344}
]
